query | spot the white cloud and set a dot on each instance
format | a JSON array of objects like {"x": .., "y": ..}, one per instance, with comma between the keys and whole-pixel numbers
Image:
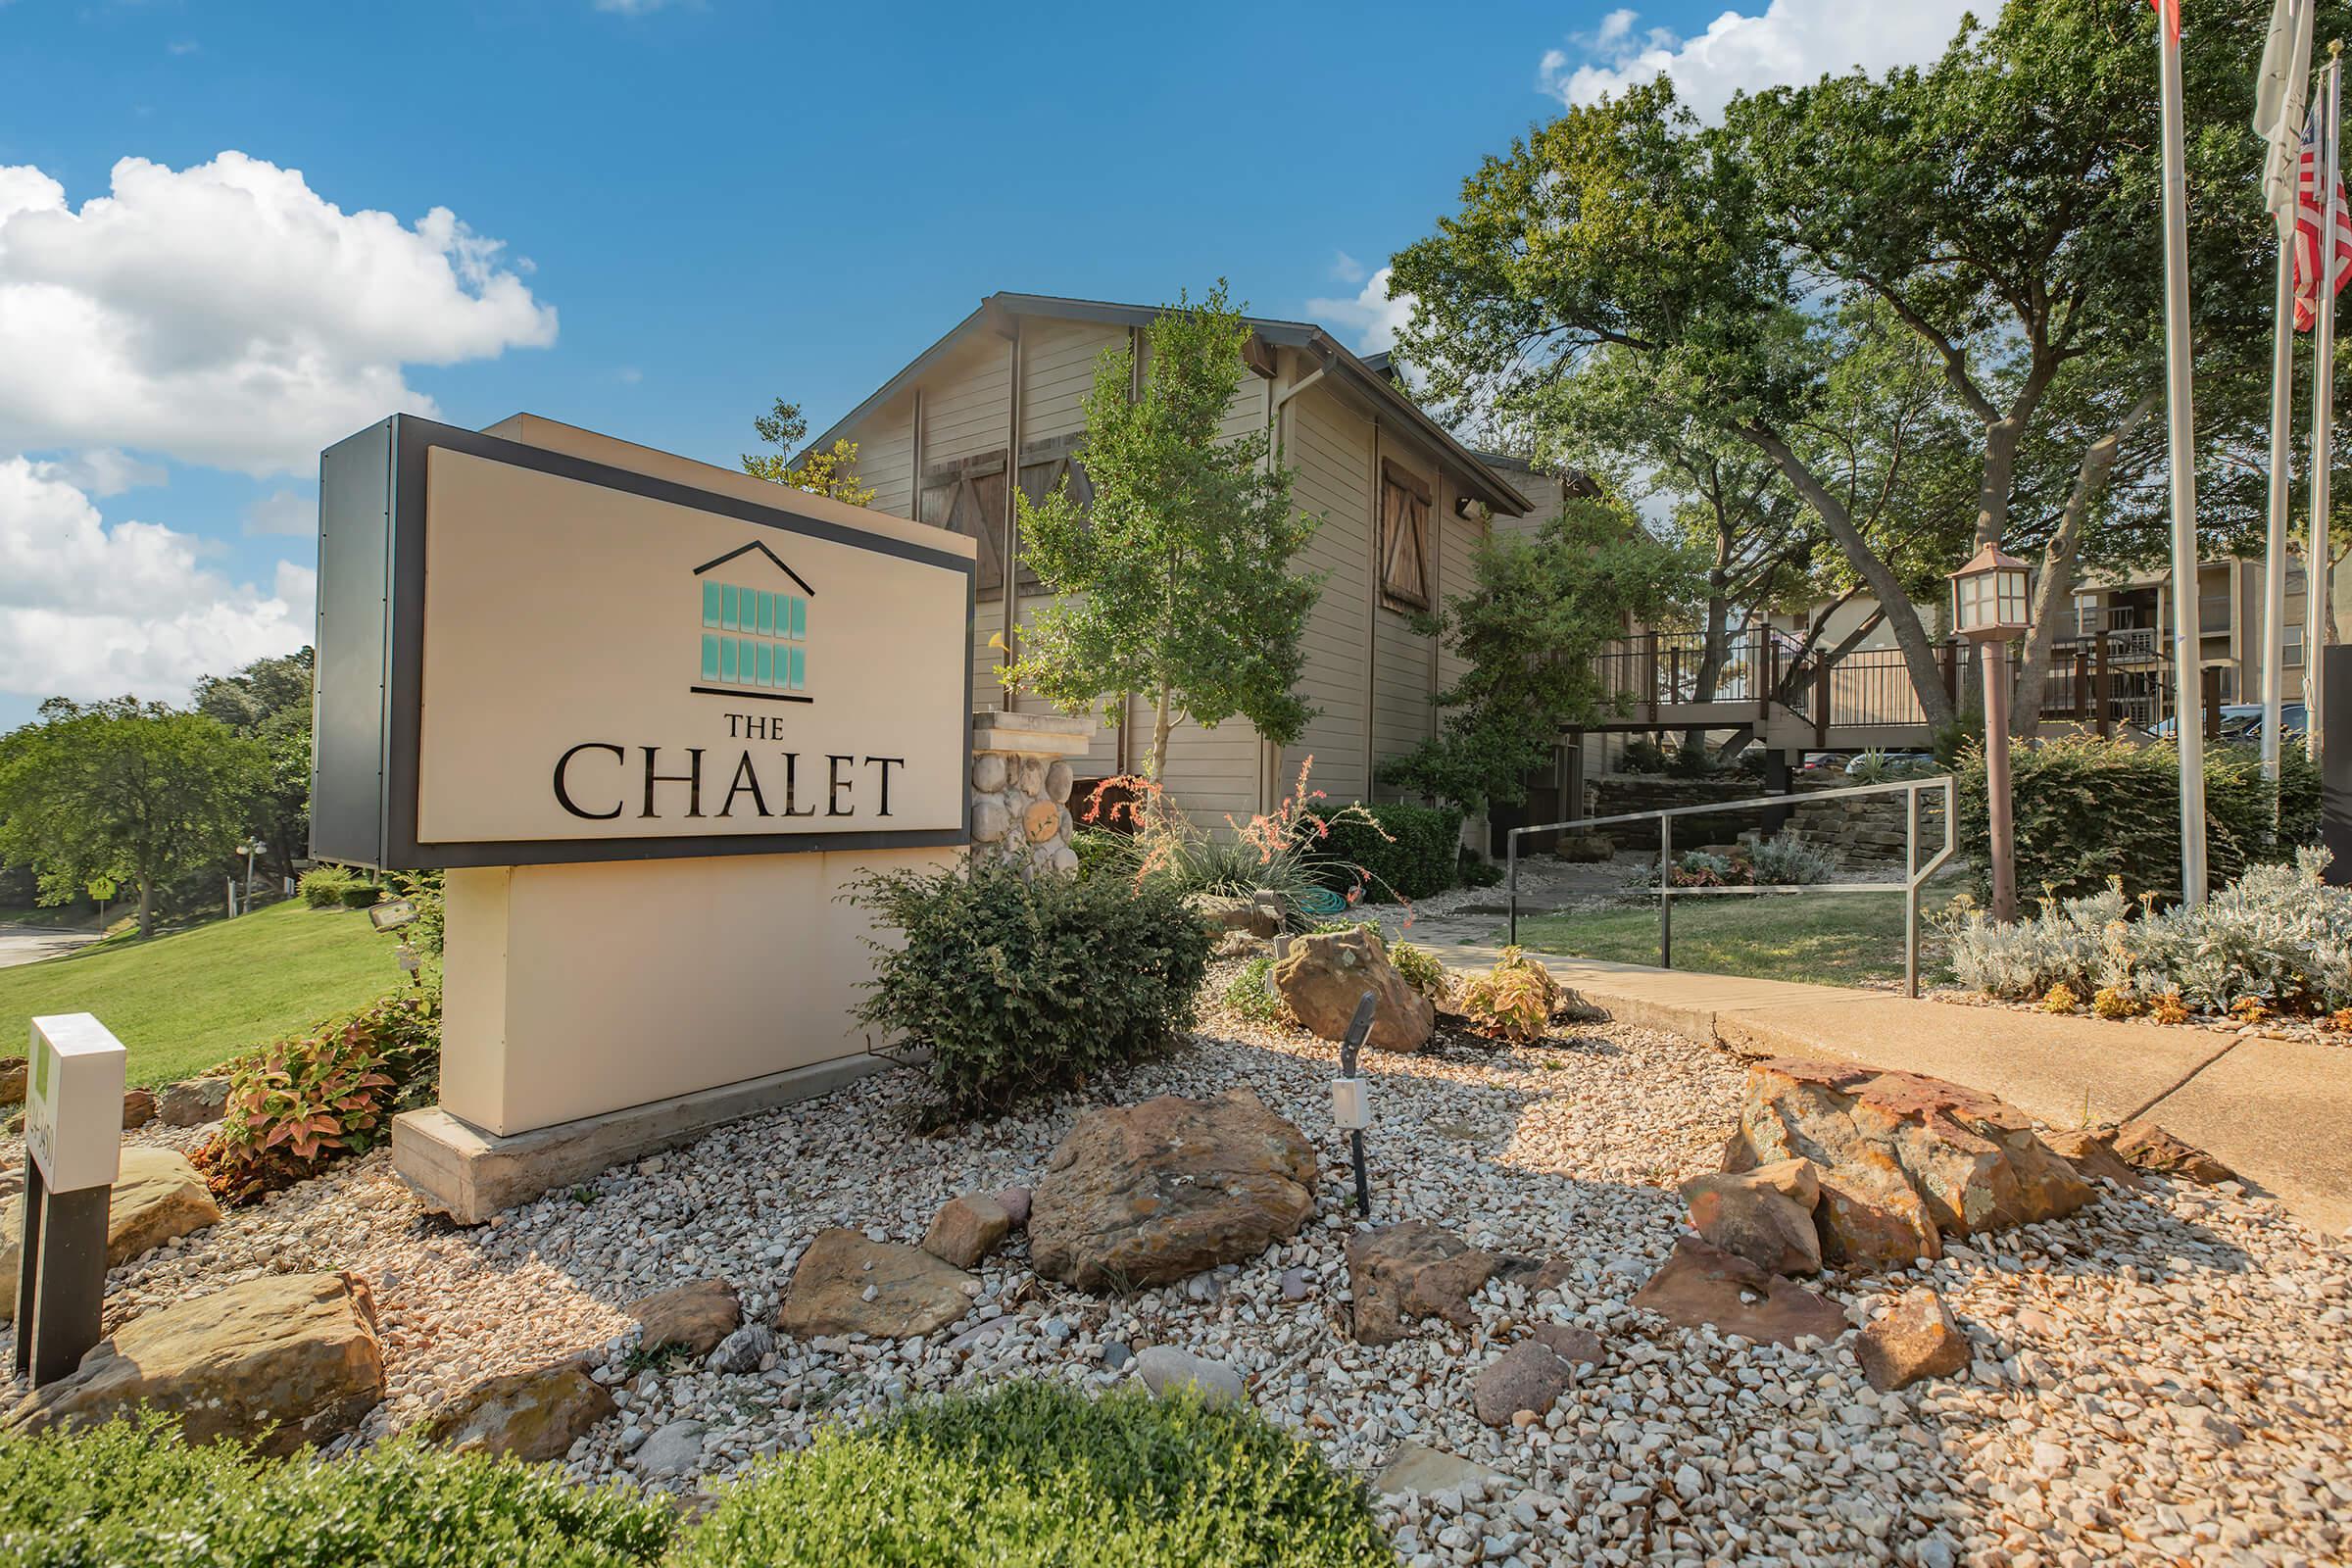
[
  {"x": 1791, "y": 41},
  {"x": 227, "y": 314},
  {"x": 1371, "y": 314},
  {"x": 292, "y": 512},
  {"x": 1346, "y": 268},
  {"x": 89, "y": 609},
  {"x": 106, "y": 471}
]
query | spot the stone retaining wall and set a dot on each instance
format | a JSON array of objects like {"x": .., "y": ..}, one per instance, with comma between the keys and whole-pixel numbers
[{"x": 1021, "y": 782}]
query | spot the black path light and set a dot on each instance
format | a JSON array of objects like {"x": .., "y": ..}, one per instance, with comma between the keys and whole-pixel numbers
[{"x": 1351, "y": 1103}]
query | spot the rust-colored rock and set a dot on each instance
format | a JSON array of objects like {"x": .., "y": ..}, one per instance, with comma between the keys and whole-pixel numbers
[
  {"x": 1401, "y": 1274},
  {"x": 1570, "y": 1344},
  {"x": 912, "y": 1291},
  {"x": 538, "y": 1414},
  {"x": 157, "y": 1196},
  {"x": 1902, "y": 1158},
  {"x": 12, "y": 1081},
  {"x": 1706, "y": 1285},
  {"x": 1322, "y": 978},
  {"x": 692, "y": 1318},
  {"x": 2145, "y": 1146},
  {"x": 1141, "y": 1195},
  {"x": 2091, "y": 1152},
  {"x": 967, "y": 1229},
  {"x": 1529, "y": 1376},
  {"x": 138, "y": 1107},
  {"x": 1918, "y": 1338},
  {"x": 1764, "y": 1215}
]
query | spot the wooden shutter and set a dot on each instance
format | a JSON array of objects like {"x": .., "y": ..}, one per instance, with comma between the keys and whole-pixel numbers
[
  {"x": 1044, "y": 465},
  {"x": 966, "y": 496},
  {"x": 1403, "y": 538}
]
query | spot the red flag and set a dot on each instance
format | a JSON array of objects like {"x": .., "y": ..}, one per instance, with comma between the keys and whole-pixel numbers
[
  {"x": 2311, "y": 221},
  {"x": 2170, "y": 11}
]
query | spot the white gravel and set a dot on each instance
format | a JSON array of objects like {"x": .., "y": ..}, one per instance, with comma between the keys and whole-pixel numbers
[{"x": 2162, "y": 1378}]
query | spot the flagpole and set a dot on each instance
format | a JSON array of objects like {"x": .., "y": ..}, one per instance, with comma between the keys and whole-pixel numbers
[
  {"x": 2283, "y": 441},
  {"x": 2316, "y": 586},
  {"x": 2189, "y": 705}
]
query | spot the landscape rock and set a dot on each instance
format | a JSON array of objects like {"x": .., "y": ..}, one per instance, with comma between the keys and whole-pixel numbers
[
  {"x": 1166, "y": 1369},
  {"x": 295, "y": 1352},
  {"x": 674, "y": 1449},
  {"x": 1401, "y": 1274},
  {"x": 1918, "y": 1338},
  {"x": 1574, "y": 1346},
  {"x": 2145, "y": 1146},
  {"x": 192, "y": 1102},
  {"x": 1147, "y": 1193},
  {"x": 968, "y": 1229},
  {"x": 744, "y": 1350},
  {"x": 537, "y": 1414},
  {"x": 1904, "y": 1158},
  {"x": 138, "y": 1107},
  {"x": 911, "y": 1291},
  {"x": 1529, "y": 1376},
  {"x": 1014, "y": 1201},
  {"x": 1585, "y": 849},
  {"x": 12, "y": 1079},
  {"x": 157, "y": 1195},
  {"x": 1322, "y": 976},
  {"x": 1571, "y": 1006},
  {"x": 692, "y": 1318},
  {"x": 1703, "y": 1284},
  {"x": 1764, "y": 1215},
  {"x": 1424, "y": 1470},
  {"x": 2091, "y": 1152},
  {"x": 1221, "y": 912}
]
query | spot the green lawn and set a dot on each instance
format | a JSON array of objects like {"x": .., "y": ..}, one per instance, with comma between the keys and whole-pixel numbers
[
  {"x": 1833, "y": 939},
  {"x": 193, "y": 999}
]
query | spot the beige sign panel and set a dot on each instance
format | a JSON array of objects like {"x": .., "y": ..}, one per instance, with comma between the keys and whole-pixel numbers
[{"x": 601, "y": 664}]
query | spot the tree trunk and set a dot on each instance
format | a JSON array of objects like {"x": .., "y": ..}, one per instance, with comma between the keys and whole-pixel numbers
[
  {"x": 1157, "y": 762},
  {"x": 146, "y": 907},
  {"x": 1919, "y": 653},
  {"x": 1711, "y": 654},
  {"x": 2057, "y": 585}
]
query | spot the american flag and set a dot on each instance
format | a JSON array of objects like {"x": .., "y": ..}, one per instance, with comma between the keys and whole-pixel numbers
[{"x": 2311, "y": 218}]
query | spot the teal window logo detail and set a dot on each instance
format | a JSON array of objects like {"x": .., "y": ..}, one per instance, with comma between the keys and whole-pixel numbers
[{"x": 754, "y": 625}]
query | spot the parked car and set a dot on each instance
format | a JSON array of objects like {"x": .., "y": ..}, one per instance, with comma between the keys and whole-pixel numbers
[
  {"x": 2242, "y": 721},
  {"x": 1898, "y": 765}
]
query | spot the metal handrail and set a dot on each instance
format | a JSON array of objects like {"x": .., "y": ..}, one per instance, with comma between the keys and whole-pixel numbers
[{"x": 1915, "y": 875}]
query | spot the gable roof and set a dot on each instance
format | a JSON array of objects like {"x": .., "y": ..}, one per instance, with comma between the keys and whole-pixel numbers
[
  {"x": 1482, "y": 482},
  {"x": 761, "y": 547}
]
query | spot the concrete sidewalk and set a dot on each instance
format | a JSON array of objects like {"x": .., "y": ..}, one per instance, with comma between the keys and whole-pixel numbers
[{"x": 2277, "y": 1112}]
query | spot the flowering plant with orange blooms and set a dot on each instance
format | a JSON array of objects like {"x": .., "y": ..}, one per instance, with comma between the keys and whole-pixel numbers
[{"x": 1142, "y": 831}]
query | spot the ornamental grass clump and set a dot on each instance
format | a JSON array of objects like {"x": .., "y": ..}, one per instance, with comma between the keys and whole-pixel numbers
[
  {"x": 1022, "y": 988},
  {"x": 1035, "y": 1473}
]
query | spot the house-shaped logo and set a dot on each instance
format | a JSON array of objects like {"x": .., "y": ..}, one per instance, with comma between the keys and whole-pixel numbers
[{"x": 754, "y": 628}]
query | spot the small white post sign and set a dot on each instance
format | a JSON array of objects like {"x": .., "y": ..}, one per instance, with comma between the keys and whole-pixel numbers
[{"x": 73, "y": 1155}]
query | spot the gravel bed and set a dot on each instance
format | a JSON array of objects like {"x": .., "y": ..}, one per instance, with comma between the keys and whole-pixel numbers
[
  {"x": 2313, "y": 1031},
  {"x": 2165, "y": 1377}
]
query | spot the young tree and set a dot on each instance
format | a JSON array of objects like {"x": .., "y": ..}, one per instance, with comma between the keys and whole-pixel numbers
[
  {"x": 270, "y": 701},
  {"x": 1538, "y": 611},
  {"x": 826, "y": 473},
  {"x": 1176, "y": 580},
  {"x": 124, "y": 789}
]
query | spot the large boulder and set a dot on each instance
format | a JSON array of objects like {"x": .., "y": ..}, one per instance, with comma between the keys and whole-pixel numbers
[
  {"x": 192, "y": 1102},
  {"x": 1764, "y": 1215},
  {"x": 1903, "y": 1159},
  {"x": 1141, "y": 1195},
  {"x": 294, "y": 1354},
  {"x": 847, "y": 1283},
  {"x": 1401, "y": 1274},
  {"x": 1706, "y": 1285},
  {"x": 537, "y": 1414},
  {"x": 692, "y": 1318},
  {"x": 157, "y": 1195},
  {"x": 1322, "y": 977}
]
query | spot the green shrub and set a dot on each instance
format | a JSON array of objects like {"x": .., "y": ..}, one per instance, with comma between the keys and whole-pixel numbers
[
  {"x": 1032, "y": 1474},
  {"x": 328, "y": 886},
  {"x": 1473, "y": 872},
  {"x": 2090, "y": 810},
  {"x": 1421, "y": 969},
  {"x": 133, "y": 1495},
  {"x": 1142, "y": 834},
  {"x": 299, "y": 1106},
  {"x": 1396, "y": 851},
  {"x": 1250, "y": 994},
  {"x": 1020, "y": 988}
]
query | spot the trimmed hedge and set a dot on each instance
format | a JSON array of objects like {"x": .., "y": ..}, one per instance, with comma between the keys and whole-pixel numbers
[
  {"x": 1027, "y": 988},
  {"x": 2089, "y": 811},
  {"x": 1420, "y": 854},
  {"x": 1032, "y": 1474},
  {"x": 129, "y": 1494}
]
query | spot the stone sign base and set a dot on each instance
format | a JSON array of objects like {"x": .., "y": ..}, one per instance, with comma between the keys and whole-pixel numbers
[{"x": 468, "y": 1174}]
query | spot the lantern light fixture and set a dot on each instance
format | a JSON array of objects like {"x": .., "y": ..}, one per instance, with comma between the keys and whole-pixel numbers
[{"x": 1989, "y": 596}]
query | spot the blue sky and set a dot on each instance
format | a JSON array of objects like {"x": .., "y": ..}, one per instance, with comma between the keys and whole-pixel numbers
[{"x": 696, "y": 206}]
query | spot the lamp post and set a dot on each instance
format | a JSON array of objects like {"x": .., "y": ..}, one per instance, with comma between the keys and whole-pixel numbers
[
  {"x": 1989, "y": 609},
  {"x": 249, "y": 848}
]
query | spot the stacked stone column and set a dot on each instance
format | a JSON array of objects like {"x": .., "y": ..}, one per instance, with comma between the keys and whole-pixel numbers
[{"x": 1021, "y": 780}]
